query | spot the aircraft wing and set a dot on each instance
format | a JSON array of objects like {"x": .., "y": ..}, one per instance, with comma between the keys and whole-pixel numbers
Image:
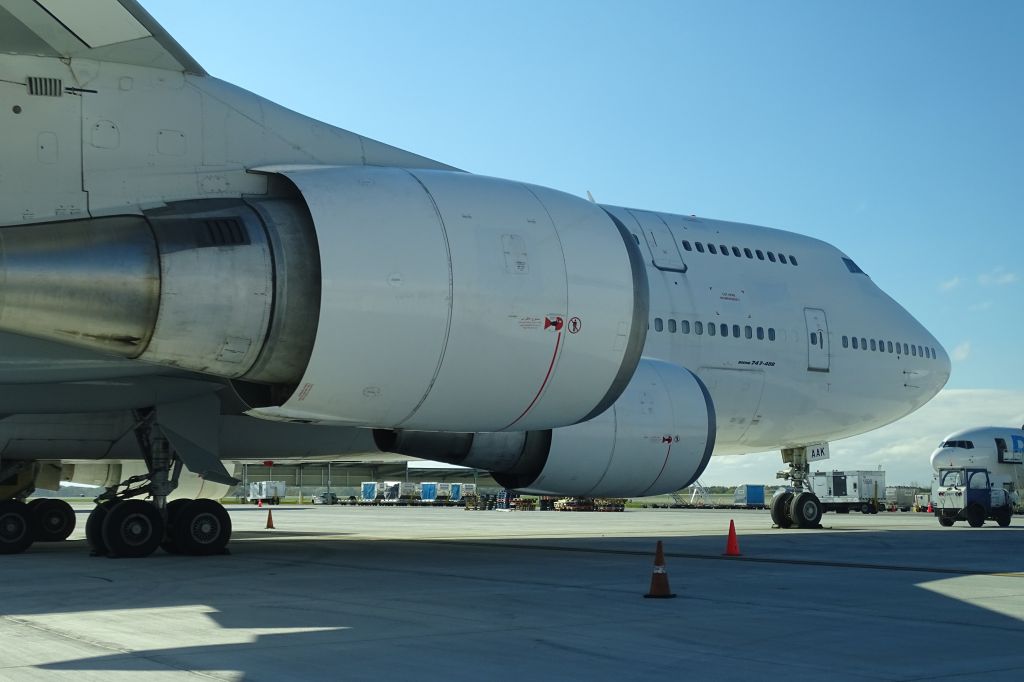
[{"x": 103, "y": 30}]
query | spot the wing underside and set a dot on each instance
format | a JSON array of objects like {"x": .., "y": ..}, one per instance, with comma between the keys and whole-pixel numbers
[{"x": 103, "y": 30}]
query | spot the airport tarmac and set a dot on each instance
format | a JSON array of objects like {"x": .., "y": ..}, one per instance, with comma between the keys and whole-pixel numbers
[{"x": 401, "y": 593}]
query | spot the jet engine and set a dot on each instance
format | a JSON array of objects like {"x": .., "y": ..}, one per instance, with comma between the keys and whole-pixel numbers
[
  {"x": 656, "y": 438},
  {"x": 359, "y": 296}
]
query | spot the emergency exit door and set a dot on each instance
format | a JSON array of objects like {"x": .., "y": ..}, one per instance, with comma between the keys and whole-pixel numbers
[{"x": 817, "y": 340}]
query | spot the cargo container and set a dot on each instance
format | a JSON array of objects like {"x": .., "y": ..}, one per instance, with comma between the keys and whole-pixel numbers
[
  {"x": 749, "y": 496},
  {"x": 428, "y": 492},
  {"x": 900, "y": 497},
  {"x": 368, "y": 492}
]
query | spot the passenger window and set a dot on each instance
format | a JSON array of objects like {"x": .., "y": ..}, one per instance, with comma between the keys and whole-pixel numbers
[
  {"x": 711, "y": 248},
  {"x": 685, "y": 326},
  {"x": 672, "y": 326},
  {"x": 792, "y": 259},
  {"x": 920, "y": 351},
  {"x": 771, "y": 333},
  {"x": 686, "y": 245},
  {"x": 736, "y": 331},
  {"x": 698, "y": 327},
  {"x": 747, "y": 253},
  {"x": 724, "y": 249},
  {"x": 855, "y": 346},
  {"x": 814, "y": 338},
  {"x": 913, "y": 351},
  {"x": 760, "y": 254},
  {"x": 771, "y": 256},
  {"x": 846, "y": 342},
  {"x": 700, "y": 247},
  {"x": 658, "y": 324},
  {"x": 873, "y": 347},
  {"x": 782, "y": 258},
  {"x": 906, "y": 349},
  {"x": 748, "y": 331},
  {"x": 863, "y": 343},
  {"x": 888, "y": 345},
  {"x": 724, "y": 328},
  {"x": 760, "y": 333},
  {"x": 881, "y": 346},
  {"x": 712, "y": 329},
  {"x": 736, "y": 251}
]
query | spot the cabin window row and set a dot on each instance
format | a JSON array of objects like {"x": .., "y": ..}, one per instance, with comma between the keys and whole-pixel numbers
[
  {"x": 736, "y": 251},
  {"x": 882, "y": 346},
  {"x": 714, "y": 329}
]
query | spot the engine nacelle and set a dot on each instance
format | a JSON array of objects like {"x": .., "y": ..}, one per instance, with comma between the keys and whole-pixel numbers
[
  {"x": 357, "y": 296},
  {"x": 656, "y": 438},
  {"x": 104, "y": 474},
  {"x": 454, "y": 302}
]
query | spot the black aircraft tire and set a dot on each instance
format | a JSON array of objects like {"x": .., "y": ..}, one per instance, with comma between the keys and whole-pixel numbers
[
  {"x": 174, "y": 508},
  {"x": 15, "y": 527},
  {"x": 202, "y": 528},
  {"x": 780, "y": 510},
  {"x": 805, "y": 510},
  {"x": 94, "y": 526},
  {"x": 132, "y": 529},
  {"x": 52, "y": 520}
]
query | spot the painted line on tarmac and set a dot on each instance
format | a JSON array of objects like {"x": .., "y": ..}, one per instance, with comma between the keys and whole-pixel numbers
[{"x": 740, "y": 559}]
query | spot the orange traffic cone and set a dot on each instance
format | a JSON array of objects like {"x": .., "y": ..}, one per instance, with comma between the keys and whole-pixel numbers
[
  {"x": 259, "y": 503},
  {"x": 732, "y": 546},
  {"x": 930, "y": 510},
  {"x": 270, "y": 519},
  {"x": 659, "y": 578}
]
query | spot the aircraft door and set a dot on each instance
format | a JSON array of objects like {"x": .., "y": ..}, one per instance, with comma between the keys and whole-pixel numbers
[
  {"x": 660, "y": 240},
  {"x": 817, "y": 340}
]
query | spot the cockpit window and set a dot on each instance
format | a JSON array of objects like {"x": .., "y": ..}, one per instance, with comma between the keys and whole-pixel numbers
[
  {"x": 963, "y": 444},
  {"x": 852, "y": 267}
]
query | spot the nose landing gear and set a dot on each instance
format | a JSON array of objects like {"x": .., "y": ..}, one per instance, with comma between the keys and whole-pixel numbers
[{"x": 801, "y": 507}]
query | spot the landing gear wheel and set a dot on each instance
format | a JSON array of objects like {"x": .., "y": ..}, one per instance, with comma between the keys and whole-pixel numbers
[
  {"x": 52, "y": 520},
  {"x": 15, "y": 527},
  {"x": 174, "y": 508},
  {"x": 945, "y": 521},
  {"x": 133, "y": 528},
  {"x": 1003, "y": 517},
  {"x": 780, "y": 510},
  {"x": 202, "y": 527},
  {"x": 94, "y": 527},
  {"x": 805, "y": 510},
  {"x": 975, "y": 516}
]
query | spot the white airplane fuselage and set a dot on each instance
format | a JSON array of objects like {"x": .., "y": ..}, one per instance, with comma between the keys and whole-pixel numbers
[{"x": 805, "y": 348}]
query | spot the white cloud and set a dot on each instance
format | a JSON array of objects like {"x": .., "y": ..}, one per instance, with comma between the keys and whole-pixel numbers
[
  {"x": 961, "y": 352},
  {"x": 980, "y": 307},
  {"x": 902, "y": 449},
  {"x": 950, "y": 284},
  {"x": 997, "y": 277}
]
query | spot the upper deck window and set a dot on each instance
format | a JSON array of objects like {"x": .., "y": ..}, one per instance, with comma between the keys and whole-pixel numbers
[
  {"x": 760, "y": 254},
  {"x": 724, "y": 249},
  {"x": 852, "y": 267},
  {"x": 712, "y": 249},
  {"x": 700, "y": 247},
  {"x": 771, "y": 256},
  {"x": 792, "y": 259},
  {"x": 748, "y": 253},
  {"x": 736, "y": 251},
  {"x": 686, "y": 245}
]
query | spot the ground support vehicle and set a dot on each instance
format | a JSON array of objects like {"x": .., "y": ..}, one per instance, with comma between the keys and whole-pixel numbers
[
  {"x": 846, "y": 491},
  {"x": 270, "y": 492},
  {"x": 966, "y": 494}
]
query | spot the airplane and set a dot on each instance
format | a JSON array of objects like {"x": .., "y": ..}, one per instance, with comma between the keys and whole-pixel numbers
[
  {"x": 192, "y": 274},
  {"x": 998, "y": 449}
]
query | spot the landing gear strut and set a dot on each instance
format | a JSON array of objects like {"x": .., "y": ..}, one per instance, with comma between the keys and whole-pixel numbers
[
  {"x": 121, "y": 526},
  {"x": 800, "y": 508}
]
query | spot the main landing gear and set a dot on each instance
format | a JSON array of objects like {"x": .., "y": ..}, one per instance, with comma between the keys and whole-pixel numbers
[
  {"x": 800, "y": 508},
  {"x": 121, "y": 526},
  {"x": 41, "y": 520}
]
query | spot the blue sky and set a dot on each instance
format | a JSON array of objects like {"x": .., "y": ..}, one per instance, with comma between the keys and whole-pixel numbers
[{"x": 894, "y": 130}]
